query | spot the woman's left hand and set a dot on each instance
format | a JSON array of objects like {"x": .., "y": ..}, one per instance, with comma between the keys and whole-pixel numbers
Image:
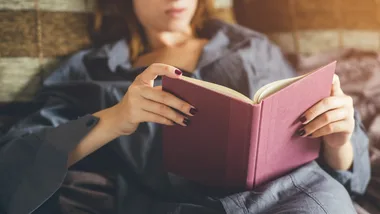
[{"x": 332, "y": 119}]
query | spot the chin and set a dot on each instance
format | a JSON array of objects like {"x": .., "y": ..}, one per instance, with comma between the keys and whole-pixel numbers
[{"x": 176, "y": 26}]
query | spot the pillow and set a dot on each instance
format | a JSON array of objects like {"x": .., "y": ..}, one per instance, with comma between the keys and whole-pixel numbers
[
  {"x": 31, "y": 40},
  {"x": 303, "y": 26}
]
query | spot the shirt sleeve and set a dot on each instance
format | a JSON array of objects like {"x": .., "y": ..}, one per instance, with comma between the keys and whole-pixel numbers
[
  {"x": 34, "y": 153},
  {"x": 33, "y": 157},
  {"x": 268, "y": 62}
]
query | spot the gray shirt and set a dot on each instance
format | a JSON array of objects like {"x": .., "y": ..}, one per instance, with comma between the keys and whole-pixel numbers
[{"x": 126, "y": 175}]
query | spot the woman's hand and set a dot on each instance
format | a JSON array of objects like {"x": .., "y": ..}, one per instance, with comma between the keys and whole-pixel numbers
[
  {"x": 333, "y": 119},
  {"x": 141, "y": 103},
  {"x": 145, "y": 103}
]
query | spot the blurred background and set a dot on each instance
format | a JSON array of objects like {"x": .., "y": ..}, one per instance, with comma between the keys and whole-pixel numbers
[{"x": 35, "y": 35}]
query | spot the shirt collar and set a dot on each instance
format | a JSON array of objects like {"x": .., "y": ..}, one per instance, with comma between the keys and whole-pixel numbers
[
  {"x": 215, "y": 49},
  {"x": 114, "y": 54},
  {"x": 118, "y": 55}
]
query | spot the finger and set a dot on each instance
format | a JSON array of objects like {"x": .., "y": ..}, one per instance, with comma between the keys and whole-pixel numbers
[
  {"x": 155, "y": 118},
  {"x": 164, "y": 111},
  {"x": 323, "y": 120},
  {"x": 327, "y": 104},
  {"x": 160, "y": 96},
  {"x": 336, "y": 89},
  {"x": 151, "y": 73},
  {"x": 332, "y": 128}
]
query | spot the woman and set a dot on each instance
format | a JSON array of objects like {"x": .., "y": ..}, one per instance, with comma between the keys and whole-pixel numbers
[{"x": 100, "y": 116}]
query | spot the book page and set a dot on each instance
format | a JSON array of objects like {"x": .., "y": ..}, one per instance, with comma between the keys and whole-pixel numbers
[
  {"x": 261, "y": 94},
  {"x": 273, "y": 87},
  {"x": 218, "y": 88}
]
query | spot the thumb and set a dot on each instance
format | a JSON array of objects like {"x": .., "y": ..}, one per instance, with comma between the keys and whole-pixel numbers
[
  {"x": 336, "y": 89},
  {"x": 158, "y": 69}
]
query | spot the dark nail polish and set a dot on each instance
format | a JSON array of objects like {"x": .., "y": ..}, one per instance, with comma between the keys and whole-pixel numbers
[
  {"x": 303, "y": 119},
  {"x": 186, "y": 121},
  {"x": 301, "y": 132},
  {"x": 178, "y": 72},
  {"x": 193, "y": 111}
]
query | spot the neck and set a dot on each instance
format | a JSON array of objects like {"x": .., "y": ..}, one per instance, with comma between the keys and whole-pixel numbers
[{"x": 168, "y": 39}]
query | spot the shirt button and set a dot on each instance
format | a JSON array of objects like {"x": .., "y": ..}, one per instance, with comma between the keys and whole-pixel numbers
[{"x": 91, "y": 122}]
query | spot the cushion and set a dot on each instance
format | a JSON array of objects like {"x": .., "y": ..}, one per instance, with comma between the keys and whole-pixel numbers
[
  {"x": 302, "y": 26},
  {"x": 32, "y": 40}
]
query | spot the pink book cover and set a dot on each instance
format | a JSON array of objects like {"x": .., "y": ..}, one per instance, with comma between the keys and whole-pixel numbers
[{"x": 233, "y": 144}]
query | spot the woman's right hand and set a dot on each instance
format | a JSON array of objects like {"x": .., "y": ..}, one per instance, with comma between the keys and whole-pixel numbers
[{"x": 145, "y": 103}]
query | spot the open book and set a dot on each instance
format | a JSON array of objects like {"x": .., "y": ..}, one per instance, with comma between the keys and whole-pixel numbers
[
  {"x": 262, "y": 93},
  {"x": 238, "y": 142}
]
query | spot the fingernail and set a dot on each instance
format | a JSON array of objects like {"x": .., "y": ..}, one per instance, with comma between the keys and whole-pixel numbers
[
  {"x": 301, "y": 132},
  {"x": 178, "y": 72},
  {"x": 193, "y": 111},
  {"x": 186, "y": 121},
  {"x": 303, "y": 119}
]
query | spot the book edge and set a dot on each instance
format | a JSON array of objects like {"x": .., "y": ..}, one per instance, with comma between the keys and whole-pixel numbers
[{"x": 253, "y": 145}]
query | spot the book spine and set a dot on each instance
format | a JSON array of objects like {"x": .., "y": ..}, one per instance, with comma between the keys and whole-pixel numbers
[
  {"x": 253, "y": 145},
  {"x": 238, "y": 141}
]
